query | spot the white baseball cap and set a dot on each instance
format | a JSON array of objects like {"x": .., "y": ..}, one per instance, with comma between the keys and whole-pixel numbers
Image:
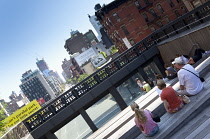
[{"x": 177, "y": 60}]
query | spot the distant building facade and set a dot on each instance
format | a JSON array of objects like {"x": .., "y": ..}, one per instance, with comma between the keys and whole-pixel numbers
[
  {"x": 16, "y": 102},
  {"x": 102, "y": 35},
  {"x": 35, "y": 86},
  {"x": 79, "y": 42},
  {"x": 129, "y": 21},
  {"x": 67, "y": 73},
  {"x": 96, "y": 24},
  {"x": 191, "y": 4},
  {"x": 42, "y": 65}
]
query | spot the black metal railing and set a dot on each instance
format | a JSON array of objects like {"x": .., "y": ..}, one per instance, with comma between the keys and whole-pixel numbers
[{"x": 183, "y": 23}]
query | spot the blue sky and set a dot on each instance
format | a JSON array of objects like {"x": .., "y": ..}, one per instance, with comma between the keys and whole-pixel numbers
[{"x": 31, "y": 29}]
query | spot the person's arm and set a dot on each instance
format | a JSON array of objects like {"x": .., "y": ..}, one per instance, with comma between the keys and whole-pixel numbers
[
  {"x": 181, "y": 87},
  {"x": 144, "y": 89},
  {"x": 166, "y": 105}
]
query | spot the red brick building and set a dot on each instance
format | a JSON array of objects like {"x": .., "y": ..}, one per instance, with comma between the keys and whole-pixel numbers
[{"x": 133, "y": 20}]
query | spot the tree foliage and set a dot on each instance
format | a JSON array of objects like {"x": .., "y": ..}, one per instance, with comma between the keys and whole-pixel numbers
[
  {"x": 2, "y": 122},
  {"x": 77, "y": 80}
]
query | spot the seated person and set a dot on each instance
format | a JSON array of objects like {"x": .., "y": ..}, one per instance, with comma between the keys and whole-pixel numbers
[
  {"x": 146, "y": 86},
  {"x": 190, "y": 83},
  {"x": 171, "y": 73},
  {"x": 144, "y": 121},
  {"x": 171, "y": 100},
  {"x": 140, "y": 84},
  {"x": 150, "y": 82},
  {"x": 185, "y": 58},
  {"x": 197, "y": 56}
]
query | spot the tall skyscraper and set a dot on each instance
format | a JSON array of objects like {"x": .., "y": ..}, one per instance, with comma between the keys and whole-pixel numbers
[
  {"x": 35, "y": 86},
  {"x": 42, "y": 65},
  {"x": 96, "y": 24}
]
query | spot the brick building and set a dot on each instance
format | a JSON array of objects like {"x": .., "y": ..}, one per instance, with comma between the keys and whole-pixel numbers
[
  {"x": 79, "y": 42},
  {"x": 129, "y": 21}
]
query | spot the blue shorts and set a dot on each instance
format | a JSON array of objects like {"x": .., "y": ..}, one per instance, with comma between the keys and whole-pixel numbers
[{"x": 153, "y": 132}]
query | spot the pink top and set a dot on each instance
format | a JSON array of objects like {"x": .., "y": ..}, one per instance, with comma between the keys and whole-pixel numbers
[{"x": 149, "y": 125}]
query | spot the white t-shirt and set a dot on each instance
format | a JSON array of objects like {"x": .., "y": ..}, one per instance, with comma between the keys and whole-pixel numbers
[
  {"x": 158, "y": 90},
  {"x": 192, "y": 83},
  {"x": 140, "y": 85}
]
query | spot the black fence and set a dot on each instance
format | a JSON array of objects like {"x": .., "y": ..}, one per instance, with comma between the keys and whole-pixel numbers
[{"x": 186, "y": 22}]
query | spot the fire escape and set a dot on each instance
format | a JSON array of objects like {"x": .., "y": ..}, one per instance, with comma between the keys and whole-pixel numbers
[{"x": 151, "y": 12}]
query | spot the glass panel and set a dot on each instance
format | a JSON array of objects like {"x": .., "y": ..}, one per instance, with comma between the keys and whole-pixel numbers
[
  {"x": 104, "y": 110},
  {"x": 129, "y": 90},
  {"x": 76, "y": 129},
  {"x": 150, "y": 70}
]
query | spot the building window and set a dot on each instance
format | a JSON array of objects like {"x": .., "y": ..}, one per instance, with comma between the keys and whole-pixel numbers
[
  {"x": 137, "y": 4},
  {"x": 116, "y": 32},
  {"x": 116, "y": 17},
  {"x": 160, "y": 8},
  {"x": 107, "y": 25},
  {"x": 167, "y": 20},
  {"x": 153, "y": 12},
  {"x": 125, "y": 30},
  {"x": 110, "y": 21},
  {"x": 183, "y": 9},
  {"x": 177, "y": 13},
  {"x": 159, "y": 23},
  {"x": 145, "y": 17},
  {"x": 170, "y": 3},
  {"x": 196, "y": 3},
  {"x": 146, "y": 2},
  {"x": 132, "y": 42},
  {"x": 152, "y": 28},
  {"x": 178, "y": 1}
]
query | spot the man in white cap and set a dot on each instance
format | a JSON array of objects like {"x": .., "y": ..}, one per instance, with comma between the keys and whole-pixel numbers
[{"x": 190, "y": 84}]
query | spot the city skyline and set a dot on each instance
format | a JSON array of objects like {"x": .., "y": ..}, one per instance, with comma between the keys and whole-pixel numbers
[{"x": 38, "y": 29}]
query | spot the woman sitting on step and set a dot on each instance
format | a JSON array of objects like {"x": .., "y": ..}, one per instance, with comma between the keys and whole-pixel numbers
[
  {"x": 144, "y": 121},
  {"x": 171, "y": 100}
]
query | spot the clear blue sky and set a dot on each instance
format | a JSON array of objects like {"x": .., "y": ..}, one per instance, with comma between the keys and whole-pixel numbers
[{"x": 31, "y": 29}]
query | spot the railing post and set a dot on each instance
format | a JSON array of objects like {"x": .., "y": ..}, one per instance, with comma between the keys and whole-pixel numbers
[
  {"x": 160, "y": 65},
  {"x": 52, "y": 109},
  {"x": 117, "y": 64},
  {"x": 120, "y": 101},
  {"x": 63, "y": 100},
  {"x": 74, "y": 92},
  {"x": 183, "y": 21},
  {"x": 96, "y": 77},
  {"x": 86, "y": 86},
  {"x": 107, "y": 71},
  {"x": 143, "y": 74},
  {"x": 174, "y": 29},
  {"x": 88, "y": 120},
  {"x": 197, "y": 16}
]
